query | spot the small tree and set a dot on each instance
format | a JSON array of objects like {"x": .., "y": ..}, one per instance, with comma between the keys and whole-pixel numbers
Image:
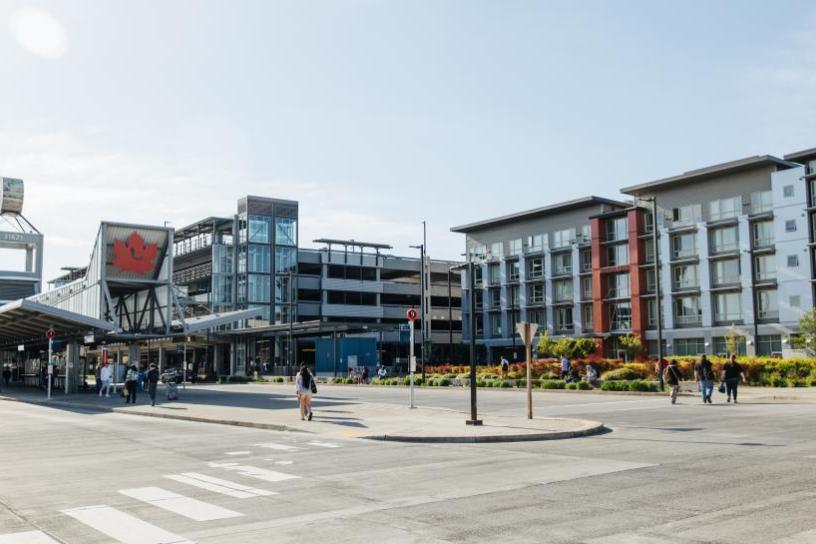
[
  {"x": 631, "y": 343},
  {"x": 583, "y": 348},
  {"x": 546, "y": 346},
  {"x": 733, "y": 340},
  {"x": 807, "y": 326}
]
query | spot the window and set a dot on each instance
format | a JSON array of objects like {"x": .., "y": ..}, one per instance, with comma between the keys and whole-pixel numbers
[
  {"x": 618, "y": 285},
  {"x": 513, "y": 271},
  {"x": 536, "y": 242},
  {"x": 493, "y": 274},
  {"x": 480, "y": 325},
  {"x": 476, "y": 251},
  {"x": 285, "y": 260},
  {"x": 687, "y": 215},
  {"x": 767, "y": 305},
  {"x": 586, "y": 234},
  {"x": 536, "y": 293},
  {"x": 585, "y": 257},
  {"x": 648, "y": 252},
  {"x": 514, "y": 296},
  {"x": 620, "y": 316},
  {"x": 787, "y": 191},
  {"x": 259, "y": 227},
  {"x": 495, "y": 325},
  {"x": 725, "y": 208},
  {"x": 586, "y": 317},
  {"x": 562, "y": 264},
  {"x": 793, "y": 261},
  {"x": 563, "y": 238},
  {"x": 258, "y": 288},
  {"x": 496, "y": 250},
  {"x": 795, "y": 301},
  {"x": 727, "y": 308},
  {"x": 562, "y": 290},
  {"x": 537, "y": 316},
  {"x": 259, "y": 258},
  {"x": 651, "y": 284},
  {"x": 648, "y": 226},
  {"x": 685, "y": 277},
  {"x": 683, "y": 245},
  {"x": 790, "y": 225},
  {"x": 285, "y": 231},
  {"x": 721, "y": 346},
  {"x": 478, "y": 301},
  {"x": 563, "y": 319},
  {"x": 765, "y": 267},
  {"x": 761, "y": 201},
  {"x": 283, "y": 293},
  {"x": 617, "y": 255},
  {"x": 687, "y": 311},
  {"x": 725, "y": 272},
  {"x": 586, "y": 288},
  {"x": 495, "y": 298},
  {"x": 722, "y": 240},
  {"x": 763, "y": 234},
  {"x": 616, "y": 229},
  {"x": 535, "y": 267},
  {"x": 515, "y": 246},
  {"x": 769, "y": 344},
  {"x": 651, "y": 313},
  {"x": 282, "y": 314},
  {"x": 689, "y": 346},
  {"x": 477, "y": 275}
]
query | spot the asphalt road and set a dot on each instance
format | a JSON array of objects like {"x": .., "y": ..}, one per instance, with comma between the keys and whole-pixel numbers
[{"x": 666, "y": 474}]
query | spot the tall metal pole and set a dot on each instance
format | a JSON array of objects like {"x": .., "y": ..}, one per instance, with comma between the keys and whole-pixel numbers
[
  {"x": 450, "y": 317},
  {"x": 289, "y": 354},
  {"x": 411, "y": 362},
  {"x": 472, "y": 303},
  {"x": 422, "y": 303},
  {"x": 754, "y": 296},
  {"x": 657, "y": 296},
  {"x": 50, "y": 366}
]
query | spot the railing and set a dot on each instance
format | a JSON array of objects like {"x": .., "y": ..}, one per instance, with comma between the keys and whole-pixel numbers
[
  {"x": 768, "y": 314},
  {"x": 761, "y": 242},
  {"x": 621, "y": 324},
  {"x": 562, "y": 271},
  {"x": 688, "y": 319}
]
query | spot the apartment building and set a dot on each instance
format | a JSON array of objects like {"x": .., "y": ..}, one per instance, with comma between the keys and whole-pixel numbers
[{"x": 532, "y": 266}]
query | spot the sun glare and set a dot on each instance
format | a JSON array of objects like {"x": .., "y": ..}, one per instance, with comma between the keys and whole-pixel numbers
[{"x": 38, "y": 32}]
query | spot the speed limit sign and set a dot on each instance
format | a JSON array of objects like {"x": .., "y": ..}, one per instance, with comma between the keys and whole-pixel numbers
[
  {"x": 50, "y": 334},
  {"x": 412, "y": 314}
]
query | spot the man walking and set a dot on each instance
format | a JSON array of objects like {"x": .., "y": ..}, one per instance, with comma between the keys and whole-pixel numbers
[
  {"x": 106, "y": 377},
  {"x": 565, "y": 368},
  {"x": 152, "y": 380},
  {"x": 505, "y": 366},
  {"x": 704, "y": 374},
  {"x": 672, "y": 376}
]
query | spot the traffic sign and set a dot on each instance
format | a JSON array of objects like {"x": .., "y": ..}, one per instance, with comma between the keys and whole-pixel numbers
[
  {"x": 412, "y": 314},
  {"x": 50, "y": 334},
  {"x": 180, "y": 348},
  {"x": 527, "y": 332}
]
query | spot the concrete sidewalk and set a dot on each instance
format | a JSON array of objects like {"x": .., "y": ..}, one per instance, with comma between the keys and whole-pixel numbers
[{"x": 270, "y": 408}]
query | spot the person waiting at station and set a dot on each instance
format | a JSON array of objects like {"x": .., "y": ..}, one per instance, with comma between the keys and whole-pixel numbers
[
  {"x": 131, "y": 379},
  {"x": 152, "y": 380},
  {"x": 7, "y": 375},
  {"x": 106, "y": 377}
]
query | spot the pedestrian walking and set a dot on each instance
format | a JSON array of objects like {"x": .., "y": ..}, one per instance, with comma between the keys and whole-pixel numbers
[
  {"x": 505, "y": 366},
  {"x": 591, "y": 375},
  {"x": 672, "y": 376},
  {"x": 142, "y": 380},
  {"x": 565, "y": 368},
  {"x": 131, "y": 380},
  {"x": 704, "y": 374},
  {"x": 732, "y": 374},
  {"x": 7, "y": 375},
  {"x": 106, "y": 377},
  {"x": 365, "y": 374},
  {"x": 305, "y": 387},
  {"x": 152, "y": 380},
  {"x": 382, "y": 372}
]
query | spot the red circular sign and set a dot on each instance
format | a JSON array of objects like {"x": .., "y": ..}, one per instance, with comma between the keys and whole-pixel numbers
[
  {"x": 50, "y": 334},
  {"x": 412, "y": 314}
]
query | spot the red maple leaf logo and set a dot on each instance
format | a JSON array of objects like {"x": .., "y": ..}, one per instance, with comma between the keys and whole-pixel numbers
[{"x": 133, "y": 255}]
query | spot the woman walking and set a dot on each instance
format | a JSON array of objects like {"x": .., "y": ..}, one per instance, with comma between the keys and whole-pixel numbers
[
  {"x": 704, "y": 372},
  {"x": 304, "y": 383},
  {"x": 732, "y": 374},
  {"x": 131, "y": 378}
]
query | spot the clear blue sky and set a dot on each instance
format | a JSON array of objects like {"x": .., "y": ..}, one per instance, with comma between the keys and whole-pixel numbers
[{"x": 376, "y": 115}]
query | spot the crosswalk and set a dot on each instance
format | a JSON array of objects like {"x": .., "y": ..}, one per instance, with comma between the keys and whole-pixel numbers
[{"x": 119, "y": 524}]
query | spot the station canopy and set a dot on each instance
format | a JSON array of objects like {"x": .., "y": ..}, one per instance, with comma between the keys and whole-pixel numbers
[{"x": 25, "y": 321}]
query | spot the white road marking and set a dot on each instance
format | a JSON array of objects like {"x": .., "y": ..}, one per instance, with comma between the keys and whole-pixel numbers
[
  {"x": 193, "y": 509},
  {"x": 28, "y": 537},
  {"x": 221, "y": 465},
  {"x": 279, "y": 447},
  {"x": 284, "y": 462},
  {"x": 324, "y": 444},
  {"x": 262, "y": 473},
  {"x": 210, "y": 487},
  {"x": 237, "y": 452},
  {"x": 123, "y": 527},
  {"x": 229, "y": 485}
]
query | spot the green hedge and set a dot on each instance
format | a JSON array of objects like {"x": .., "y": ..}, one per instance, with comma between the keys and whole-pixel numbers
[{"x": 553, "y": 384}]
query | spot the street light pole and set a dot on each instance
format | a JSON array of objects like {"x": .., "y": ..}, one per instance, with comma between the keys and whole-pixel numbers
[
  {"x": 421, "y": 248},
  {"x": 474, "y": 420},
  {"x": 658, "y": 306}
]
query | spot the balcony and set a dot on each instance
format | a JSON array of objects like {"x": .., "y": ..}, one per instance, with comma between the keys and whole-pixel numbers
[
  {"x": 620, "y": 324},
  {"x": 688, "y": 320}
]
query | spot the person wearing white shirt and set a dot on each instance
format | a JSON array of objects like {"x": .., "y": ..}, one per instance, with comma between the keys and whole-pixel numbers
[{"x": 106, "y": 375}]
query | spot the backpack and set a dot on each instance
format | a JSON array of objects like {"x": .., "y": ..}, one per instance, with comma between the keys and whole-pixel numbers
[{"x": 307, "y": 380}]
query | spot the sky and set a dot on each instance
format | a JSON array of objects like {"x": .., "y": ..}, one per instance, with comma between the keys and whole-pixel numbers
[{"x": 378, "y": 115}]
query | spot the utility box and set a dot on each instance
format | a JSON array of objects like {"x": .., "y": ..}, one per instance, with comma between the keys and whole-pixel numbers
[{"x": 354, "y": 352}]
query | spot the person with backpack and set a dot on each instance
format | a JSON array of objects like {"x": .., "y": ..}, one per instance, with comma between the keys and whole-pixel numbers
[
  {"x": 131, "y": 379},
  {"x": 305, "y": 388},
  {"x": 505, "y": 366},
  {"x": 704, "y": 374},
  {"x": 672, "y": 377},
  {"x": 732, "y": 374},
  {"x": 152, "y": 380}
]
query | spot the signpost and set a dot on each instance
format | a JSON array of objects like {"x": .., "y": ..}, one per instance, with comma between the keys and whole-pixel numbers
[
  {"x": 412, "y": 316},
  {"x": 527, "y": 332},
  {"x": 50, "y": 334}
]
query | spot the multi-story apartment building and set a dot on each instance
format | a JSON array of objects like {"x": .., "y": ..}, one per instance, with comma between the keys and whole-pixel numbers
[
  {"x": 736, "y": 249},
  {"x": 532, "y": 266},
  {"x": 347, "y": 289}
]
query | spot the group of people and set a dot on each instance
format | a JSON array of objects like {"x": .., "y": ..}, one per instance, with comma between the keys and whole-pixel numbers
[
  {"x": 134, "y": 380},
  {"x": 704, "y": 374}
]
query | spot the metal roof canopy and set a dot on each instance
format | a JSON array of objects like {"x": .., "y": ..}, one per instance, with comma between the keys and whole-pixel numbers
[
  {"x": 192, "y": 324},
  {"x": 313, "y": 328},
  {"x": 24, "y": 321}
]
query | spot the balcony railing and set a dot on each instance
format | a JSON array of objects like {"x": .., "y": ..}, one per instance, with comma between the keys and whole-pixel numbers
[
  {"x": 688, "y": 319},
  {"x": 768, "y": 315},
  {"x": 621, "y": 324},
  {"x": 562, "y": 271}
]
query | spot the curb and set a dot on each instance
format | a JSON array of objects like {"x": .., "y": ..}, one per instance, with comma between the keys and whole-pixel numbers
[
  {"x": 596, "y": 429},
  {"x": 102, "y": 409}
]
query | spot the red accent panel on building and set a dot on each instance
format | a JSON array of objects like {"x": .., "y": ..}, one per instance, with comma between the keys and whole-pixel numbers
[
  {"x": 637, "y": 277},
  {"x": 600, "y": 318}
]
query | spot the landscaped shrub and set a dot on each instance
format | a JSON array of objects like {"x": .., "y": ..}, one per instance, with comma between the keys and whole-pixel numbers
[
  {"x": 552, "y": 384},
  {"x": 572, "y": 385},
  {"x": 777, "y": 380},
  {"x": 642, "y": 385},
  {"x": 615, "y": 385},
  {"x": 623, "y": 373}
]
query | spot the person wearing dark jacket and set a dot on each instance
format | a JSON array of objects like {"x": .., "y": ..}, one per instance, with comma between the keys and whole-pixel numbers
[
  {"x": 704, "y": 374},
  {"x": 672, "y": 375},
  {"x": 152, "y": 380},
  {"x": 7, "y": 375},
  {"x": 732, "y": 374},
  {"x": 131, "y": 379}
]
